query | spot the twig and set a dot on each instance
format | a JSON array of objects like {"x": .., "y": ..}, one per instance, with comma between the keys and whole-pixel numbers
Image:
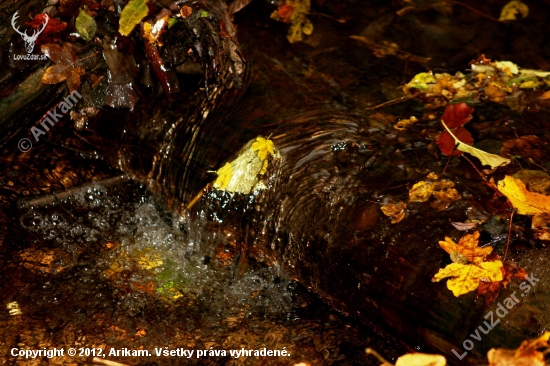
[
  {"x": 388, "y": 103},
  {"x": 474, "y": 10},
  {"x": 540, "y": 166},
  {"x": 477, "y": 170},
  {"x": 370, "y": 351},
  {"x": 449, "y": 160},
  {"x": 328, "y": 16},
  {"x": 509, "y": 234}
]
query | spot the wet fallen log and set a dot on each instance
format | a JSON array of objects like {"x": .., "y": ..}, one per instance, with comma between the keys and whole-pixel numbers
[{"x": 318, "y": 221}]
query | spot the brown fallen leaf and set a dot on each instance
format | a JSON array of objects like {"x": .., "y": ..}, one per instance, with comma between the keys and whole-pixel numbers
[
  {"x": 65, "y": 68},
  {"x": 529, "y": 146}
]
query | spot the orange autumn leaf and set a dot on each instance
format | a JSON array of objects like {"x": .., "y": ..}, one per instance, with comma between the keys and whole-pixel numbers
[
  {"x": 396, "y": 211},
  {"x": 527, "y": 203},
  {"x": 285, "y": 12},
  {"x": 65, "y": 68},
  {"x": 467, "y": 247}
]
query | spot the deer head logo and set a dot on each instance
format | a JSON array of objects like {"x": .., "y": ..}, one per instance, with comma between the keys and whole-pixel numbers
[{"x": 29, "y": 40}]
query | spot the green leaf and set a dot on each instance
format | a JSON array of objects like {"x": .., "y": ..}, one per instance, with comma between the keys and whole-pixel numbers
[
  {"x": 421, "y": 81},
  {"x": 131, "y": 15},
  {"x": 486, "y": 159},
  {"x": 171, "y": 22},
  {"x": 85, "y": 25}
]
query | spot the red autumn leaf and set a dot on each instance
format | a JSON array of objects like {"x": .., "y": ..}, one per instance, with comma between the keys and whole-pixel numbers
[
  {"x": 285, "y": 12},
  {"x": 54, "y": 25},
  {"x": 51, "y": 32},
  {"x": 489, "y": 291},
  {"x": 447, "y": 144},
  {"x": 456, "y": 115}
]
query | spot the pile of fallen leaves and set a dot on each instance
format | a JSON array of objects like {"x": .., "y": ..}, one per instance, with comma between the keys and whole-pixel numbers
[
  {"x": 475, "y": 266},
  {"x": 496, "y": 81}
]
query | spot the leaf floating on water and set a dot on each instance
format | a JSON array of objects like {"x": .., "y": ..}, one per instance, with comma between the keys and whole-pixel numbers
[
  {"x": 494, "y": 161},
  {"x": 464, "y": 226},
  {"x": 469, "y": 268},
  {"x": 512, "y": 10},
  {"x": 295, "y": 12},
  {"x": 466, "y": 277},
  {"x": 447, "y": 143},
  {"x": 243, "y": 173},
  {"x": 456, "y": 115},
  {"x": 468, "y": 247},
  {"x": 442, "y": 191},
  {"x": 85, "y": 26},
  {"x": 131, "y": 15},
  {"x": 396, "y": 211},
  {"x": 527, "y": 203},
  {"x": 65, "y": 68}
]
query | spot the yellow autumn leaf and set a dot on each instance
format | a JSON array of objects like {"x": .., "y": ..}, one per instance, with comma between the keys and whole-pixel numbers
[
  {"x": 150, "y": 260},
  {"x": 131, "y": 15},
  {"x": 263, "y": 147},
  {"x": 442, "y": 190},
  {"x": 486, "y": 159},
  {"x": 396, "y": 211},
  {"x": 421, "y": 359},
  {"x": 467, "y": 247},
  {"x": 466, "y": 277},
  {"x": 224, "y": 176},
  {"x": 242, "y": 174},
  {"x": 527, "y": 203},
  {"x": 511, "y": 10},
  {"x": 421, "y": 81}
]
